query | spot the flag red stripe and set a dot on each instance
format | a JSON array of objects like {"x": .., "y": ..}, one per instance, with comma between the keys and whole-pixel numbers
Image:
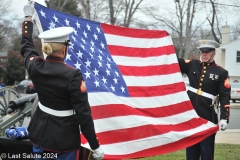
[
  {"x": 149, "y": 70},
  {"x": 130, "y": 32},
  {"x": 150, "y": 91},
  {"x": 140, "y": 52},
  {"x": 171, "y": 147},
  {"x": 114, "y": 110},
  {"x": 136, "y": 133}
]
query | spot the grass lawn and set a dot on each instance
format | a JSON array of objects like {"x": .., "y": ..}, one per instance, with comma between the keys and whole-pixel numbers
[{"x": 222, "y": 152}]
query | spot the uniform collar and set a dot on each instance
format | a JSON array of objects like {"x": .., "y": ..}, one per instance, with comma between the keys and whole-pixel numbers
[
  {"x": 208, "y": 64},
  {"x": 55, "y": 58}
]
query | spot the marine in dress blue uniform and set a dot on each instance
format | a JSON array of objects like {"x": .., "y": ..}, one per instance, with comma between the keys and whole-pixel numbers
[
  {"x": 63, "y": 109},
  {"x": 207, "y": 80}
]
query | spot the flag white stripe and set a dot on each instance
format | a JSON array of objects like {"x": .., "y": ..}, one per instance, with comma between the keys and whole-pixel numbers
[
  {"x": 136, "y": 121},
  {"x": 148, "y": 61},
  {"x": 138, "y": 42},
  {"x": 157, "y": 80},
  {"x": 150, "y": 142},
  {"x": 136, "y": 102}
]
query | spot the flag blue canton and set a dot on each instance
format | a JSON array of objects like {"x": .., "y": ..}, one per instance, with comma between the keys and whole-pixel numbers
[
  {"x": 88, "y": 51},
  {"x": 17, "y": 132}
]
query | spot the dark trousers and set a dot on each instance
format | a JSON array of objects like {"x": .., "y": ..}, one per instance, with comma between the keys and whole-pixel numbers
[
  {"x": 203, "y": 149},
  {"x": 41, "y": 154}
]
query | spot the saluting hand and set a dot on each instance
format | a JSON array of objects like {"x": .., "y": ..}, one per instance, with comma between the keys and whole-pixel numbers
[{"x": 29, "y": 9}]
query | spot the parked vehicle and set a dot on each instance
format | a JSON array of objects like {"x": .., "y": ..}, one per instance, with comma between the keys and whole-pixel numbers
[
  {"x": 30, "y": 88},
  {"x": 25, "y": 86},
  {"x": 235, "y": 94}
]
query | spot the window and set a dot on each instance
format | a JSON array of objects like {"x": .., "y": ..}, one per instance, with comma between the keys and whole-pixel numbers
[{"x": 238, "y": 56}]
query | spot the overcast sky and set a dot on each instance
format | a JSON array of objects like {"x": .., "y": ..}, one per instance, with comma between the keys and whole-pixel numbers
[{"x": 17, "y": 8}]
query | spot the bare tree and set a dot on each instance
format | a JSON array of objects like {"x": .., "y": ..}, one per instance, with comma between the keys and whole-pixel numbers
[
  {"x": 120, "y": 12},
  {"x": 235, "y": 31},
  {"x": 66, "y": 6},
  {"x": 57, "y": 4},
  {"x": 111, "y": 11},
  {"x": 114, "y": 11},
  {"x": 182, "y": 24},
  {"x": 4, "y": 8},
  {"x": 7, "y": 29},
  {"x": 86, "y": 8},
  {"x": 216, "y": 22},
  {"x": 130, "y": 9}
]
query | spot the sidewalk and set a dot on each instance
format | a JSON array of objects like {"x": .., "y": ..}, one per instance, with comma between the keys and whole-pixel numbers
[{"x": 230, "y": 136}]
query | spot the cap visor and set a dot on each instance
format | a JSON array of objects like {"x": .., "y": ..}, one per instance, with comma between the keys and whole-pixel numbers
[{"x": 207, "y": 49}]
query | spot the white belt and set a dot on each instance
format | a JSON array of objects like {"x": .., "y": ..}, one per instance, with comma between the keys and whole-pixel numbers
[
  {"x": 53, "y": 112},
  {"x": 201, "y": 93}
]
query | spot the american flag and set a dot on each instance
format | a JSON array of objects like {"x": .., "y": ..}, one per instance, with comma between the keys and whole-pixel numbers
[{"x": 136, "y": 92}]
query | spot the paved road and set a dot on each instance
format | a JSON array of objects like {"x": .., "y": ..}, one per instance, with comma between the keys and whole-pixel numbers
[
  {"x": 234, "y": 115},
  {"x": 234, "y": 118}
]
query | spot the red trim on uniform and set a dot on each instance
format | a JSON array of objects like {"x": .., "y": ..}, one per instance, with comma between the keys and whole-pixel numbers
[
  {"x": 48, "y": 150},
  {"x": 227, "y": 108},
  {"x": 69, "y": 66},
  {"x": 23, "y": 28},
  {"x": 39, "y": 59},
  {"x": 77, "y": 154},
  {"x": 84, "y": 154},
  {"x": 53, "y": 61}
]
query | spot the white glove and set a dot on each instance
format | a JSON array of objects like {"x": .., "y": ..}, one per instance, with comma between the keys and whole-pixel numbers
[
  {"x": 29, "y": 9},
  {"x": 98, "y": 153},
  {"x": 223, "y": 124}
]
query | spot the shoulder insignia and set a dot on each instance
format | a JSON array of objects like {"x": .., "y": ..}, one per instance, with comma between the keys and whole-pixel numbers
[
  {"x": 227, "y": 83},
  {"x": 83, "y": 87},
  {"x": 187, "y": 60}
]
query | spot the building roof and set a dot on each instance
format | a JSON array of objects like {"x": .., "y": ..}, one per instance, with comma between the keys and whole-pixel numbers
[
  {"x": 236, "y": 42},
  {"x": 3, "y": 53}
]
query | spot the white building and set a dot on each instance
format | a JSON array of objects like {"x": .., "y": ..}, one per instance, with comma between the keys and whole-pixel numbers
[{"x": 228, "y": 57}]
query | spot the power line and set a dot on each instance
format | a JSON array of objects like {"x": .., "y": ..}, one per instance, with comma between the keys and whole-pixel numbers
[
  {"x": 205, "y": 35},
  {"x": 221, "y": 4}
]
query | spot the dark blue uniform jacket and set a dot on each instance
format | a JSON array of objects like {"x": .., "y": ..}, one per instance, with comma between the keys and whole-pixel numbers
[
  {"x": 59, "y": 88},
  {"x": 209, "y": 78}
]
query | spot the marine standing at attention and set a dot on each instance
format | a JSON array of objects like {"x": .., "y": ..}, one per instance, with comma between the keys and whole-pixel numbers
[{"x": 207, "y": 81}]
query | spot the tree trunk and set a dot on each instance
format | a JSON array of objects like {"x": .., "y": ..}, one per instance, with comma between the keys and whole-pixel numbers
[{"x": 111, "y": 10}]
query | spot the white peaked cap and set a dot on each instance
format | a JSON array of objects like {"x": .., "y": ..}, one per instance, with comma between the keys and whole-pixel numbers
[
  {"x": 56, "y": 35},
  {"x": 207, "y": 44}
]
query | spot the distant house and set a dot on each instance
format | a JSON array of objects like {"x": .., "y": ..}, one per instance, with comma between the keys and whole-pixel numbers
[
  {"x": 3, "y": 53},
  {"x": 2, "y": 58},
  {"x": 228, "y": 56}
]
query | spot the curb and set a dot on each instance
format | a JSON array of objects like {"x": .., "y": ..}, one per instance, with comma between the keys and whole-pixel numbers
[{"x": 229, "y": 136}]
